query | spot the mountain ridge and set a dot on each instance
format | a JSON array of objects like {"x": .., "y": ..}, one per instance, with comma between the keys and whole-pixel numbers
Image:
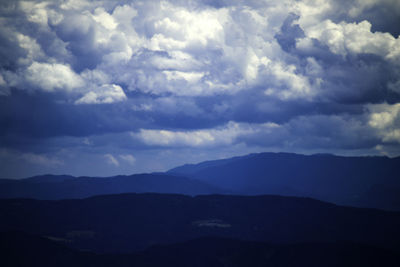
[
  {"x": 22, "y": 249},
  {"x": 64, "y": 186},
  {"x": 132, "y": 222},
  {"x": 338, "y": 179},
  {"x": 362, "y": 181}
]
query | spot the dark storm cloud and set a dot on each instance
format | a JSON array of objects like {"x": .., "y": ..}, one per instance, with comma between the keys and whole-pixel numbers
[
  {"x": 322, "y": 131},
  {"x": 120, "y": 82},
  {"x": 289, "y": 32},
  {"x": 39, "y": 116},
  {"x": 356, "y": 79},
  {"x": 383, "y": 14}
]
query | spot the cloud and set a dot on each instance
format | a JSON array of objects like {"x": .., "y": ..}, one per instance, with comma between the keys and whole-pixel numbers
[
  {"x": 105, "y": 94},
  {"x": 225, "y": 135},
  {"x": 87, "y": 141},
  {"x": 50, "y": 77},
  {"x": 128, "y": 158},
  {"x": 41, "y": 159},
  {"x": 111, "y": 160},
  {"x": 3, "y": 87},
  {"x": 356, "y": 38},
  {"x": 191, "y": 51},
  {"x": 232, "y": 76},
  {"x": 385, "y": 119},
  {"x": 285, "y": 83}
]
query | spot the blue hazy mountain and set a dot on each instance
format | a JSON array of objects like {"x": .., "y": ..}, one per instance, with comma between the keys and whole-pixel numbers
[
  {"x": 64, "y": 186},
  {"x": 356, "y": 181},
  {"x": 132, "y": 222}
]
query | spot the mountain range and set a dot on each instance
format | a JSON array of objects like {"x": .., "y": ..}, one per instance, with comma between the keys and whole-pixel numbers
[
  {"x": 131, "y": 222},
  {"x": 21, "y": 249},
  {"x": 266, "y": 209},
  {"x": 54, "y": 187},
  {"x": 371, "y": 182}
]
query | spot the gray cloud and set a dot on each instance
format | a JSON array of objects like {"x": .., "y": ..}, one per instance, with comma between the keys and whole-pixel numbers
[{"x": 170, "y": 77}]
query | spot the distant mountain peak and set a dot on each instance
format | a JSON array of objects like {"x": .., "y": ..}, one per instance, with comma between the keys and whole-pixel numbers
[{"x": 339, "y": 179}]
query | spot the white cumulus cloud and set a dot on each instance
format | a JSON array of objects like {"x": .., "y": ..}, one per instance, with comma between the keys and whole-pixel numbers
[
  {"x": 225, "y": 135},
  {"x": 111, "y": 160},
  {"x": 51, "y": 77},
  {"x": 128, "y": 158},
  {"x": 104, "y": 94},
  {"x": 385, "y": 119}
]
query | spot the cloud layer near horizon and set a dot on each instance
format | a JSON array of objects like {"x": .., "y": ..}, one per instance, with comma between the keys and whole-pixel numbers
[{"x": 131, "y": 86}]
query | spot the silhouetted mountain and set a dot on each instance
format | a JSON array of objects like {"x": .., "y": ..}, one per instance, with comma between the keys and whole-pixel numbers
[
  {"x": 131, "y": 222},
  {"x": 350, "y": 181},
  {"x": 353, "y": 181},
  {"x": 63, "y": 186},
  {"x": 20, "y": 249},
  {"x": 228, "y": 252},
  {"x": 381, "y": 196}
]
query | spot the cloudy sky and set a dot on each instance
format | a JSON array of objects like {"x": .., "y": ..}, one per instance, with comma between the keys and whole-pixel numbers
[{"x": 121, "y": 87}]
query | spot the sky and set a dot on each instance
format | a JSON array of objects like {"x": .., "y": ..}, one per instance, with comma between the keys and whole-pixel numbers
[{"x": 102, "y": 88}]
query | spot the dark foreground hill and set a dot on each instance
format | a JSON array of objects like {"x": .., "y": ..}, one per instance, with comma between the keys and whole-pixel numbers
[
  {"x": 22, "y": 250},
  {"x": 131, "y": 222},
  {"x": 64, "y": 186},
  {"x": 372, "y": 182}
]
